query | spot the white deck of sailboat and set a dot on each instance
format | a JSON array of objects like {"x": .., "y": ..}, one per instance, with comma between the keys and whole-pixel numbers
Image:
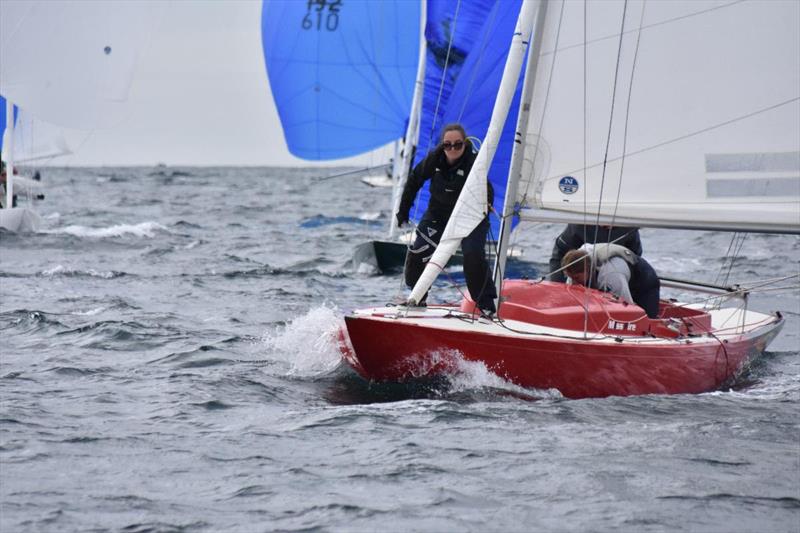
[{"x": 726, "y": 324}]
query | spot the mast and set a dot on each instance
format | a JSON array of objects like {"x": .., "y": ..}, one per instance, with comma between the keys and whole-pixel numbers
[
  {"x": 471, "y": 206},
  {"x": 412, "y": 131},
  {"x": 518, "y": 153},
  {"x": 8, "y": 144}
]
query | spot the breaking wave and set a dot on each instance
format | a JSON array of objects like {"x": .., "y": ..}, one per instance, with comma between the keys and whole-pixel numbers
[{"x": 143, "y": 229}]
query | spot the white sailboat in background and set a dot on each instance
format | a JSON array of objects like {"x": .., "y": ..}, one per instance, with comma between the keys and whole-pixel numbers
[
  {"x": 662, "y": 114},
  {"x": 85, "y": 57},
  {"x": 33, "y": 141}
]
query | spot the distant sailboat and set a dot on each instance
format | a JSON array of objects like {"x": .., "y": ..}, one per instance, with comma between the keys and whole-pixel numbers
[
  {"x": 85, "y": 56},
  {"x": 664, "y": 114},
  {"x": 34, "y": 141}
]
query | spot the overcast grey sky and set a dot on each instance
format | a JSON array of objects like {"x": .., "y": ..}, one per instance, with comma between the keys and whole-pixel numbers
[{"x": 200, "y": 96}]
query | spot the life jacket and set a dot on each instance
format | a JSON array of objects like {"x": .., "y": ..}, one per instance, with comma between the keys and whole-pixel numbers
[
  {"x": 447, "y": 181},
  {"x": 603, "y": 252}
]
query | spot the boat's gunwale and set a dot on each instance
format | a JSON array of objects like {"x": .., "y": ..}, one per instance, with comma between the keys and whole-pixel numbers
[{"x": 451, "y": 318}]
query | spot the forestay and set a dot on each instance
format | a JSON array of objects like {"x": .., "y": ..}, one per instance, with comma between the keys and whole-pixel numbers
[{"x": 700, "y": 118}]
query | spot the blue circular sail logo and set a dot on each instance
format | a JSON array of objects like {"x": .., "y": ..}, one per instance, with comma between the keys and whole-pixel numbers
[{"x": 568, "y": 185}]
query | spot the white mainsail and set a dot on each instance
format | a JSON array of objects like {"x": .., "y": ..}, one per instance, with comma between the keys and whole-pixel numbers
[
  {"x": 697, "y": 106},
  {"x": 471, "y": 207}
]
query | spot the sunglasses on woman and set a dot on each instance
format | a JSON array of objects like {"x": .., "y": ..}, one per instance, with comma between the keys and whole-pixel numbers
[{"x": 458, "y": 145}]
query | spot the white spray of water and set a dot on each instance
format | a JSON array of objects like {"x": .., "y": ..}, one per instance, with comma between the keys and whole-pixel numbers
[
  {"x": 91, "y": 312},
  {"x": 370, "y": 215},
  {"x": 308, "y": 344},
  {"x": 366, "y": 269},
  {"x": 61, "y": 270},
  {"x": 472, "y": 375},
  {"x": 144, "y": 229}
]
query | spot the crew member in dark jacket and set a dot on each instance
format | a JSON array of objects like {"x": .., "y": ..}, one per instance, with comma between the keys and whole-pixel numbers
[
  {"x": 447, "y": 166},
  {"x": 616, "y": 269},
  {"x": 576, "y": 235}
]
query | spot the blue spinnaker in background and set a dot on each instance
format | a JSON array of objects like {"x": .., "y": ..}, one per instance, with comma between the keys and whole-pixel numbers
[
  {"x": 2, "y": 121},
  {"x": 341, "y": 72},
  {"x": 470, "y": 83},
  {"x": 3, "y": 116},
  {"x": 450, "y": 34}
]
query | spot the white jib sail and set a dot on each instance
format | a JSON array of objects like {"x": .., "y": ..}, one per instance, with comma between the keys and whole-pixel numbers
[
  {"x": 472, "y": 204},
  {"x": 702, "y": 130}
]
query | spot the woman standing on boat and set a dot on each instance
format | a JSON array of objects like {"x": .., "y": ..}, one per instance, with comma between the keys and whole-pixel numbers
[{"x": 447, "y": 166}]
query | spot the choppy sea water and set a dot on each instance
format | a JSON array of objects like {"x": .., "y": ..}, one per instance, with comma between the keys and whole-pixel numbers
[{"x": 167, "y": 365}]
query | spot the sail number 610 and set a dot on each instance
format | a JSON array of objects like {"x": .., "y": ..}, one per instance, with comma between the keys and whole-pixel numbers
[{"x": 314, "y": 18}]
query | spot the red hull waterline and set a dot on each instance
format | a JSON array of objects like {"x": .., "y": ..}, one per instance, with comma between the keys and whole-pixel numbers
[{"x": 539, "y": 342}]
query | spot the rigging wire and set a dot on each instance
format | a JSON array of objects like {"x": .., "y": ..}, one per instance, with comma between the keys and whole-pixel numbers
[
  {"x": 738, "y": 242},
  {"x": 656, "y": 24},
  {"x": 627, "y": 115},
  {"x": 477, "y": 67},
  {"x": 689, "y": 135},
  {"x": 444, "y": 74},
  {"x": 724, "y": 273},
  {"x": 611, "y": 116},
  {"x": 608, "y": 135},
  {"x": 585, "y": 149}
]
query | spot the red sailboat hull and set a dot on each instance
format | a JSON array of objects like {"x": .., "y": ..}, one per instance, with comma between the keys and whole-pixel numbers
[{"x": 647, "y": 358}]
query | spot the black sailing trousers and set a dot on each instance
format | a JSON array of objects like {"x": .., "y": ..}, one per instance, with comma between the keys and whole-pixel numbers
[{"x": 476, "y": 267}]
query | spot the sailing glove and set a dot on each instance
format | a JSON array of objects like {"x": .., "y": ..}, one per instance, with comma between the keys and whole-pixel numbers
[{"x": 402, "y": 218}]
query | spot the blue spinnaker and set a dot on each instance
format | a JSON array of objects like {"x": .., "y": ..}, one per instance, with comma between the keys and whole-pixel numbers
[
  {"x": 471, "y": 92},
  {"x": 2, "y": 121},
  {"x": 341, "y": 72},
  {"x": 450, "y": 35}
]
